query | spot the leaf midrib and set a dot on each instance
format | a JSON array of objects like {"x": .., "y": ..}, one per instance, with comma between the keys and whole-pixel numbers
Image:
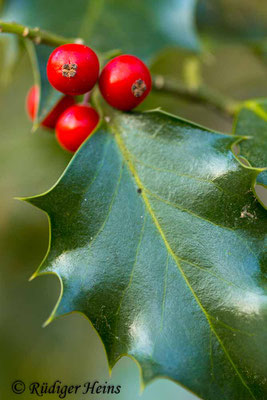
[{"x": 127, "y": 159}]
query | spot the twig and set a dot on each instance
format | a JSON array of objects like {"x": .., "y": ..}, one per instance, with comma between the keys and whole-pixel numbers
[
  {"x": 37, "y": 35},
  {"x": 202, "y": 94}
]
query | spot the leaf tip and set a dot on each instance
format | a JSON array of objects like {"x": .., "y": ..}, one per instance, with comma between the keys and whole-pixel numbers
[
  {"x": 142, "y": 385},
  {"x": 109, "y": 370},
  {"x": 33, "y": 276},
  {"x": 36, "y": 201},
  {"x": 21, "y": 198},
  {"x": 26, "y": 199},
  {"x": 48, "y": 321}
]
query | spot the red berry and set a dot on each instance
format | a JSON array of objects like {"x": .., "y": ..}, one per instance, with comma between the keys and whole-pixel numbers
[
  {"x": 125, "y": 82},
  {"x": 73, "y": 69},
  {"x": 75, "y": 125},
  {"x": 32, "y": 101}
]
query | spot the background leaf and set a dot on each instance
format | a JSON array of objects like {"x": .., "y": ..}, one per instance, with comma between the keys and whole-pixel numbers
[
  {"x": 232, "y": 20},
  {"x": 158, "y": 239},
  {"x": 252, "y": 121},
  {"x": 49, "y": 96},
  {"x": 140, "y": 28}
]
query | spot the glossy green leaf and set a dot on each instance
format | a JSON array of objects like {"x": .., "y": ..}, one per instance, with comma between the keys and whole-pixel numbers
[
  {"x": 252, "y": 121},
  {"x": 158, "y": 239},
  {"x": 49, "y": 96},
  {"x": 140, "y": 27}
]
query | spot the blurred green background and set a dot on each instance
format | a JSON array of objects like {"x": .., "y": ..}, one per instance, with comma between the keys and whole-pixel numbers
[{"x": 69, "y": 349}]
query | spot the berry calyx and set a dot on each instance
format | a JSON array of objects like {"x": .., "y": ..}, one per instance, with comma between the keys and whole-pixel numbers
[
  {"x": 125, "y": 82},
  {"x": 73, "y": 69},
  {"x": 32, "y": 101},
  {"x": 75, "y": 125}
]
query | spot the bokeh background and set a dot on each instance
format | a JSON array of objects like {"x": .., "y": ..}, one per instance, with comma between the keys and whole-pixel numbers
[{"x": 69, "y": 349}]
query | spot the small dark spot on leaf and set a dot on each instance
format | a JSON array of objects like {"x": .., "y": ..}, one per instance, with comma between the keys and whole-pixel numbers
[{"x": 139, "y": 190}]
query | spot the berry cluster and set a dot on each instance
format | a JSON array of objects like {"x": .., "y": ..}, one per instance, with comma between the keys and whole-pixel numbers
[{"x": 73, "y": 69}]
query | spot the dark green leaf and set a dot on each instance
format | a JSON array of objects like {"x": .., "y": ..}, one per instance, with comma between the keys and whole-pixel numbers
[
  {"x": 49, "y": 96},
  {"x": 262, "y": 178},
  {"x": 252, "y": 121},
  {"x": 158, "y": 239}
]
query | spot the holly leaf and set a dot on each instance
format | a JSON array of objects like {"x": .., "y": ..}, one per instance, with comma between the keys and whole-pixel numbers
[
  {"x": 252, "y": 121},
  {"x": 48, "y": 96},
  {"x": 158, "y": 239}
]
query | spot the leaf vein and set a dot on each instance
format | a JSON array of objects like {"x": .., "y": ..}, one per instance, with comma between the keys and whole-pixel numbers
[
  {"x": 199, "y": 217},
  {"x": 138, "y": 161},
  {"x": 213, "y": 274},
  {"x": 127, "y": 157}
]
